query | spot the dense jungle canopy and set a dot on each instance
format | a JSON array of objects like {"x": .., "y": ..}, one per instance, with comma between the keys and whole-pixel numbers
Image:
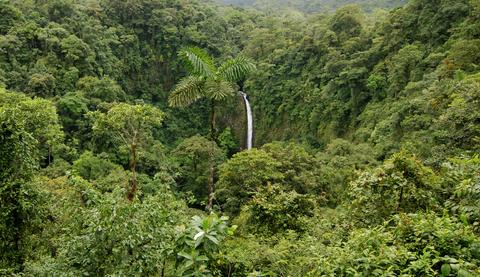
[{"x": 123, "y": 138}]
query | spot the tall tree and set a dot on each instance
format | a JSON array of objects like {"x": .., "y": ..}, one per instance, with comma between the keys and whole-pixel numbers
[
  {"x": 132, "y": 126},
  {"x": 206, "y": 80},
  {"x": 194, "y": 155},
  {"x": 29, "y": 129}
]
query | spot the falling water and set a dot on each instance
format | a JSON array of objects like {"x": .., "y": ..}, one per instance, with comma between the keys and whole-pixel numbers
[{"x": 249, "y": 121}]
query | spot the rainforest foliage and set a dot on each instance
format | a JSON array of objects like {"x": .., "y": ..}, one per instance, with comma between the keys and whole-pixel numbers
[
  {"x": 312, "y": 6},
  {"x": 122, "y": 138}
]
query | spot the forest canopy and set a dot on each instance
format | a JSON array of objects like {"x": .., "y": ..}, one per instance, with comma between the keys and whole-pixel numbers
[
  {"x": 313, "y": 6},
  {"x": 123, "y": 138}
]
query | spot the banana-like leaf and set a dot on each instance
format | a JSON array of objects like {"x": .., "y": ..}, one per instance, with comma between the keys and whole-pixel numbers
[
  {"x": 185, "y": 255},
  {"x": 236, "y": 69},
  {"x": 198, "y": 62},
  {"x": 187, "y": 91}
]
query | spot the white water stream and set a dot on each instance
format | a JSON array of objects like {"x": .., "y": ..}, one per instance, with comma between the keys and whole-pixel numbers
[{"x": 249, "y": 121}]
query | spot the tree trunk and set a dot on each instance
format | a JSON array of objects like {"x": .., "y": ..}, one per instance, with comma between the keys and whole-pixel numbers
[
  {"x": 400, "y": 200},
  {"x": 133, "y": 166},
  {"x": 213, "y": 134},
  {"x": 211, "y": 177},
  {"x": 211, "y": 185},
  {"x": 163, "y": 268},
  {"x": 49, "y": 154}
]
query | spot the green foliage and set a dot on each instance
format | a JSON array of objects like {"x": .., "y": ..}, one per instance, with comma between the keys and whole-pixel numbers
[
  {"x": 42, "y": 84},
  {"x": 242, "y": 175},
  {"x": 131, "y": 126},
  {"x": 402, "y": 184},
  {"x": 292, "y": 167},
  {"x": 198, "y": 62},
  {"x": 462, "y": 175},
  {"x": 236, "y": 69},
  {"x": 206, "y": 79},
  {"x": 338, "y": 165},
  {"x": 437, "y": 123},
  {"x": 28, "y": 130},
  {"x": 346, "y": 22},
  {"x": 112, "y": 236},
  {"x": 312, "y": 6},
  {"x": 126, "y": 124},
  {"x": 187, "y": 91},
  {"x": 91, "y": 167},
  {"x": 10, "y": 15},
  {"x": 465, "y": 54},
  {"x": 104, "y": 89},
  {"x": 401, "y": 69},
  {"x": 108, "y": 50},
  {"x": 193, "y": 157},
  {"x": 344, "y": 92},
  {"x": 228, "y": 142},
  {"x": 72, "y": 108},
  {"x": 297, "y": 166},
  {"x": 458, "y": 125},
  {"x": 35, "y": 116},
  {"x": 155, "y": 159},
  {"x": 214, "y": 84},
  {"x": 410, "y": 245},
  {"x": 376, "y": 84},
  {"x": 199, "y": 245},
  {"x": 416, "y": 245},
  {"x": 273, "y": 210}
]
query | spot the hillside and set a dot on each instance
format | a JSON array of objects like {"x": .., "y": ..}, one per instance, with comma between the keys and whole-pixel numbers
[
  {"x": 313, "y": 6},
  {"x": 124, "y": 147}
]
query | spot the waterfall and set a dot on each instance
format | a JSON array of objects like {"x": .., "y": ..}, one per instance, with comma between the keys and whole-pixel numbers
[{"x": 249, "y": 121}]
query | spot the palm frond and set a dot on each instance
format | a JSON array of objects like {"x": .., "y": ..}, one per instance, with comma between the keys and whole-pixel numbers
[
  {"x": 219, "y": 89},
  {"x": 197, "y": 61},
  {"x": 236, "y": 69},
  {"x": 187, "y": 91}
]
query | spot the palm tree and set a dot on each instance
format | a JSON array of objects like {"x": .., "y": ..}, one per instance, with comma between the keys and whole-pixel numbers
[{"x": 206, "y": 80}]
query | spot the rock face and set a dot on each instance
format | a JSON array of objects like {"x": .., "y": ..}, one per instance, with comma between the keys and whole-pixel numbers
[{"x": 234, "y": 116}]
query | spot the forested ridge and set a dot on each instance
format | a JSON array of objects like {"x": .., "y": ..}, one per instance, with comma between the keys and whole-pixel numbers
[
  {"x": 123, "y": 138},
  {"x": 313, "y": 6}
]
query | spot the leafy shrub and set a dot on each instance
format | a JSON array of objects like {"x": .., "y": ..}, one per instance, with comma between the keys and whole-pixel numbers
[
  {"x": 273, "y": 210},
  {"x": 296, "y": 164},
  {"x": 28, "y": 129},
  {"x": 112, "y": 236},
  {"x": 401, "y": 184},
  {"x": 288, "y": 164},
  {"x": 92, "y": 167},
  {"x": 242, "y": 175},
  {"x": 416, "y": 245},
  {"x": 457, "y": 127},
  {"x": 193, "y": 158},
  {"x": 338, "y": 165},
  {"x": 464, "y": 176},
  {"x": 199, "y": 245}
]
